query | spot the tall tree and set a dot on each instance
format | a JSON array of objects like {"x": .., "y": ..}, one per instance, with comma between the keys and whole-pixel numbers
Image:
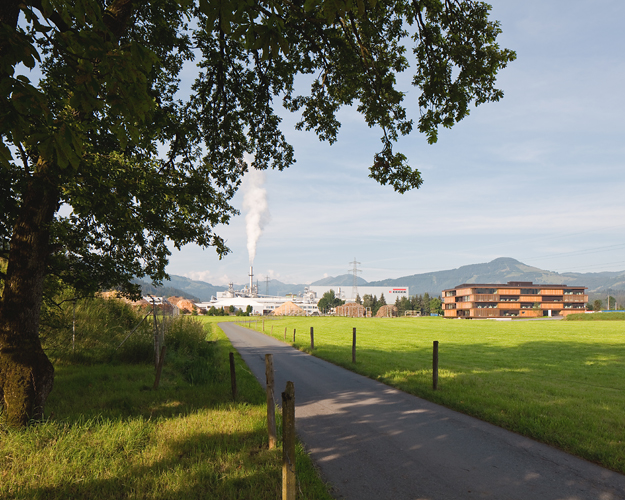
[
  {"x": 436, "y": 306},
  {"x": 375, "y": 305},
  {"x": 425, "y": 304},
  {"x": 367, "y": 299},
  {"x": 101, "y": 163},
  {"x": 328, "y": 301}
]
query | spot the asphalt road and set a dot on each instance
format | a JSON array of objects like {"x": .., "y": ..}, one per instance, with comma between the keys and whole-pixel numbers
[{"x": 374, "y": 442}]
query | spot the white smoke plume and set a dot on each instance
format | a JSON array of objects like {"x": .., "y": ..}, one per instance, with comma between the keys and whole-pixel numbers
[{"x": 257, "y": 208}]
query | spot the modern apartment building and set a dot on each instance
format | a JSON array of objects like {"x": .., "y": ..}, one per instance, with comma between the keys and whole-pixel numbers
[{"x": 516, "y": 298}]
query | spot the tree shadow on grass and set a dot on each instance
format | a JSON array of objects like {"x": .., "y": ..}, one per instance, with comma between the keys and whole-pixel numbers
[
  {"x": 125, "y": 391},
  {"x": 221, "y": 466}
]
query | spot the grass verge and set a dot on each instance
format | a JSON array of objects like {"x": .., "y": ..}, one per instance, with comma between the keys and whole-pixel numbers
[
  {"x": 110, "y": 436},
  {"x": 559, "y": 382},
  {"x": 599, "y": 316}
]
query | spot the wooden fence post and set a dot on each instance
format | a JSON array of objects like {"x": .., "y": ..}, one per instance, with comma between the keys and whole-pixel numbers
[
  {"x": 285, "y": 333},
  {"x": 271, "y": 403},
  {"x": 288, "y": 442},
  {"x": 294, "y": 335},
  {"x": 435, "y": 365},
  {"x": 312, "y": 338},
  {"x": 159, "y": 369},
  {"x": 156, "y": 337},
  {"x": 233, "y": 377},
  {"x": 354, "y": 346}
]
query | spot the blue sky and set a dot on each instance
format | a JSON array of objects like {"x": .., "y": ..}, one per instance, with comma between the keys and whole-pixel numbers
[{"x": 538, "y": 176}]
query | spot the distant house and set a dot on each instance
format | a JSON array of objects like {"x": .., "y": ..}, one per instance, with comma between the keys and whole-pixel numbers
[{"x": 514, "y": 299}]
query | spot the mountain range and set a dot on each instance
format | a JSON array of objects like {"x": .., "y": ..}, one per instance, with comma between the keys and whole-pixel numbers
[{"x": 500, "y": 270}]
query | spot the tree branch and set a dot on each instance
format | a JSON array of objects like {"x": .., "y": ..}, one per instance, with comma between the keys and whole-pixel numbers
[
  {"x": 117, "y": 15},
  {"x": 54, "y": 17}
]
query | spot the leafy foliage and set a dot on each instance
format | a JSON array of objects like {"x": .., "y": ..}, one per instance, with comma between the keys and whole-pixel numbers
[
  {"x": 329, "y": 301},
  {"x": 106, "y": 104},
  {"x": 102, "y": 165}
]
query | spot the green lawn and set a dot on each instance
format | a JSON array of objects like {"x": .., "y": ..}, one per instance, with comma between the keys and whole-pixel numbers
[
  {"x": 560, "y": 382},
  {"x": 109, "y": 435}
]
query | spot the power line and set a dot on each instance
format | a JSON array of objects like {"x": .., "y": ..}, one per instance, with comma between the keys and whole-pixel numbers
[
  {"x": 599, "y": 265},
  {"x": 580, "y": 252}
]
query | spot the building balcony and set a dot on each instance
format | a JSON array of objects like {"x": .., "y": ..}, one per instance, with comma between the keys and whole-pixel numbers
[
  {"x": 576, "y": 298},
  {"x": 486, "y": 298},
  {"x": 552, "y": 305}
]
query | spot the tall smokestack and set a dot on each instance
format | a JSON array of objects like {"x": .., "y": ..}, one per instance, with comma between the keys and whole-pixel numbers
[{"x": 251, "y": 279}]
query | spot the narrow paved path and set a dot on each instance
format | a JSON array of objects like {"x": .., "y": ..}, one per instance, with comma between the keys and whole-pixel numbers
[{"x": 374, "y": 442}]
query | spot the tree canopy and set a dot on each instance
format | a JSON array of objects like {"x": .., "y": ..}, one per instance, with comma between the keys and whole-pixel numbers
[
  {"x": 103, "y": 161},
  {"x": 328, "y": 301}
]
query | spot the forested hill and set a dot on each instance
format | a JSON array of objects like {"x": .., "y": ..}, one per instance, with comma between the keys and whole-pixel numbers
[
  {"x": 503, "y": 270},
  {"x": 499, "y": 270},
  {"x": 202, "y": 291},
  {"x": 342, "y": 280},
  {"x": 164, "y": 291}
]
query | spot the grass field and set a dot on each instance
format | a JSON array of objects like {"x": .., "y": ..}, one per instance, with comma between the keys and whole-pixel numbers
[
  {"x": 110, "y": 436},
  {"x": 560, "y": 382},
  {"x": 603, "y": 316}
]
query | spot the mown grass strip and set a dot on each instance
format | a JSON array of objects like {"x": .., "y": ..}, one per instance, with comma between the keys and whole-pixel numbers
[
  {"x": 556, "y": 381},
  {"x": 110, "y": 436},
  {"x": 599, "y": 316}
]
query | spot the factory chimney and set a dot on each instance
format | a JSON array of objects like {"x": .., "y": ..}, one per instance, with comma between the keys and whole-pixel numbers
[{"x": 251, "y": 280}]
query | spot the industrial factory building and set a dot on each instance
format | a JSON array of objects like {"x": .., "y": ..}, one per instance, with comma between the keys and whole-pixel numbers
[
  {"x": 306, "y": 302},
  {"x": 261, "y": 305},
  {"x": 348, "y": 293}
]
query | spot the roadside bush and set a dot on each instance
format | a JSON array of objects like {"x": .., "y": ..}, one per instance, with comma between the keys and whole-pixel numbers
[
  {"x": 102, "y": 336},
  {"x": 184, "y": 335},
  {"x": 191, "y": 354},
  {"x": 101, "y": 326}
]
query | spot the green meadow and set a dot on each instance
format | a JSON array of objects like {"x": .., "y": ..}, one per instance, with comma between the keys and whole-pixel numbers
[
  {"x": 108, "y": 434},
  {"x": 560, "y": 382}
]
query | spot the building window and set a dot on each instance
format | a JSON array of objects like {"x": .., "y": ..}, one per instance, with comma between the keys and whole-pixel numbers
[{"x": 552, "y": 298}]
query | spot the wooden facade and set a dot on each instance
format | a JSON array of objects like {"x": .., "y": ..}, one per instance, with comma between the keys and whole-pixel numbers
[{"x": 514, "y": 299}]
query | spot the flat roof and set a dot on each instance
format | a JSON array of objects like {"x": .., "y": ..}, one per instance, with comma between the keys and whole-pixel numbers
[{"x": 514, "y": 284}]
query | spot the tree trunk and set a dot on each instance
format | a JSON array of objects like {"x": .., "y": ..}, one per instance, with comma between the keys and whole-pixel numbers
[{"x": 26, "y": 373}]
